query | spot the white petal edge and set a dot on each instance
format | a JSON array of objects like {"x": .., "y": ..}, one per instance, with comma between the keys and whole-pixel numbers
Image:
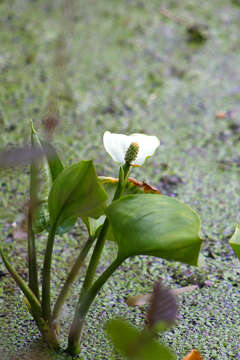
[
  {"x": 147, "y": 147},
  {"x": 116, "y": 146}
]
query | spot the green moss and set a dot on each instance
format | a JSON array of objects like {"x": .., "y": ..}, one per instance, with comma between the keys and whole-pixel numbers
[{"x": 126, "y": 67}]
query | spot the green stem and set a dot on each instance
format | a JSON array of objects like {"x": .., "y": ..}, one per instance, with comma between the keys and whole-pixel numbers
[
  {"x": 32, "y": 299},
  {"x": 46, "y": 282},
  {"x": 71, "y": 277},
  {"x": 82, "y": 308},
  {"x": 33, "y": 204},
  {"x": 32, "y": 260},
  {"x": 122, "y": 180},
  {"x": 92, "y": 267}
]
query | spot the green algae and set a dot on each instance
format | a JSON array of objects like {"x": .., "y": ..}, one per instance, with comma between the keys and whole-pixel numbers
[{"x": 129, "y": 68}]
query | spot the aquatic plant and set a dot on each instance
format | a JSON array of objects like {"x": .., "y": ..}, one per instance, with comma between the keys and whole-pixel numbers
[{"x": 134, "y": 215}]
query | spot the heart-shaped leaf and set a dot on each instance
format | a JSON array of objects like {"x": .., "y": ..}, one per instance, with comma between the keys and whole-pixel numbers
[
  {"x": 76, "y": 192},
  {"x": 235, "y": 241},
  {"x": 155, "y": 225},
  {"x": 135, "y": 344}
]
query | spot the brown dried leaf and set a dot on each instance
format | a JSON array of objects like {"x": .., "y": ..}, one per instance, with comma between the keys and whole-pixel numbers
[
  {"x": 163, "y": 306},
  {"x": 143, "y": 299},
  {"x": 138, "y": 300},
  {"x": 144, "y": 186}
]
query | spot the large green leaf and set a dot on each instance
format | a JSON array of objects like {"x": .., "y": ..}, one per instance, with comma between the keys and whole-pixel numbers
[
  {"x": 135, "y": 344},
  {"x": 76, "y": 192},
  {"x": 155, "y": 225},
  {"x": 235, "y": 241}
]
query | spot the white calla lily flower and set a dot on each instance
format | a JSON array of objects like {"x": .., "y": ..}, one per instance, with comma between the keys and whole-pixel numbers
[{"x": 117, "y": 145}]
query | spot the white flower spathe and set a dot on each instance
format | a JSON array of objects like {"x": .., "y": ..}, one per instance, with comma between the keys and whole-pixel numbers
[{"x": 117, "y": 145}]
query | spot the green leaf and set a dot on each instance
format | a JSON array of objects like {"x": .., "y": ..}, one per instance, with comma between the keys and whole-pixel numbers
[
  {"x": 235, "y": 241},
  {"x": 40, "y": 184},
  {"x": 155, "y": 225},
  {"x": 134, "y": 344},
  {"x": 43, "y": 173},
  {"x": 76, "y": 192}
]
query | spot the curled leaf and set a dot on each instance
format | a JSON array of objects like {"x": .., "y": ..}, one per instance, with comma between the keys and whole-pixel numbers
[{"x": 132, "y": 187}]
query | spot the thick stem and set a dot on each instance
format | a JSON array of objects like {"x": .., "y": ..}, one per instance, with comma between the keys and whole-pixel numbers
[
  {"x": 48, "y": 334},
  {"x": 82, "y": 308},
  {"x": 71, "y": 277},
  {"x": 92, "y": 267},
  {"x": 32, "y": 259},
  {"x": 46, "y": 282}
]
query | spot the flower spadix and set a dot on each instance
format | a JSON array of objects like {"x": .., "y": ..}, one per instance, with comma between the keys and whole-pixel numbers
[{"x": 119, "y": 145}]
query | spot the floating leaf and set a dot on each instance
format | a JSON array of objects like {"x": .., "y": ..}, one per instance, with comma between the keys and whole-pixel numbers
[
  {"x": 193, "y": 355},
  {"x": 155, "y": 225},
  {"x": 235, "y": 241},
  {"x": 135, "y": 344},
  {"x": 76, "y": 192}
]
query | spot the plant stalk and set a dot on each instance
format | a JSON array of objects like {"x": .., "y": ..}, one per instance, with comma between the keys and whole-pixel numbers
[
  {"x": 31, "y": 297},
  {"x": 32, "y": 207},
  {"x": 82, "y": 308},
  {"x": 32, "y": 259},
  {"x": 71, "y": 277},
  {"x": 92, "y": 267},
  {"x": 46, "y": 282}
]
